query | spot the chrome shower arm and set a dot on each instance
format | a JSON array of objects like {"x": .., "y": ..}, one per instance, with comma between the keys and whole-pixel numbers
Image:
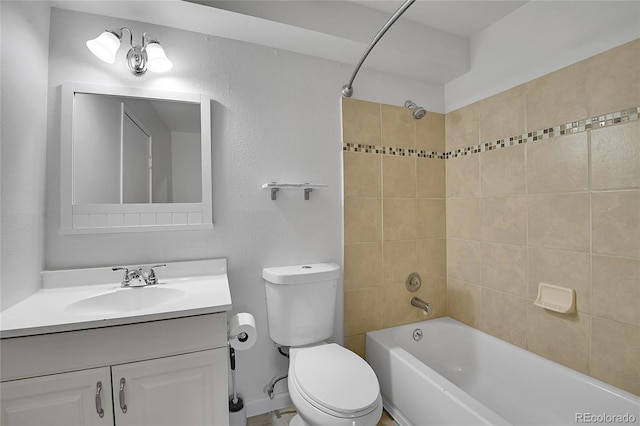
[{"x": 347, "y": 89}]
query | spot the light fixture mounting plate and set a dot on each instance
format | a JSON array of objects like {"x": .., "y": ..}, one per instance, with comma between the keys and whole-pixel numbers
[{"x": 137, "y": 60}]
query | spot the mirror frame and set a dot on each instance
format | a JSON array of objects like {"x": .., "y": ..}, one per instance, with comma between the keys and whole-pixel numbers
[{"x": 134, "y": 217}]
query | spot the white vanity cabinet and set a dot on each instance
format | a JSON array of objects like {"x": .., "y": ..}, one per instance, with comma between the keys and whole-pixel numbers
[
  {"x": 168, "y": 372},
  {"x": 180, "y": 390},
  {"x": 72, "y": 399}
]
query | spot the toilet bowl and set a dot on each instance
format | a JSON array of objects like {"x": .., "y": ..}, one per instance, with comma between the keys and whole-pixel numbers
[{"x": 330, "y": 385}]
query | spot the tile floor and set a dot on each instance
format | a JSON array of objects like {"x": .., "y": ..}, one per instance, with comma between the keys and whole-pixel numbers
[{"x": 282, "y": 418}]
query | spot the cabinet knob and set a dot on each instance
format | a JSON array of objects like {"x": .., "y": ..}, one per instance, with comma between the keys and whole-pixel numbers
[
  {"x": 99, "y": 409},
  {"x": 123, "y": 405}
]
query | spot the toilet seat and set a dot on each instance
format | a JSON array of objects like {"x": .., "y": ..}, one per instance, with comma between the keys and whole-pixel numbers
[{"x": 335, "y": 381}]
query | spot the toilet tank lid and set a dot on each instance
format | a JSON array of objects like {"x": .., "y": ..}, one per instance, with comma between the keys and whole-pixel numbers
[{"x": 302, "y": 274}]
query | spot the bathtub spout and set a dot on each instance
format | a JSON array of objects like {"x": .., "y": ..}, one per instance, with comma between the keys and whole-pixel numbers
[{"x": 419, "y": 303}]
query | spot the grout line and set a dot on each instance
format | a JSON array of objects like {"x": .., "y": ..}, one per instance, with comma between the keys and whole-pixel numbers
[
  {"x": 590, "y": 277},
  {"x": 527, "y": 272}
]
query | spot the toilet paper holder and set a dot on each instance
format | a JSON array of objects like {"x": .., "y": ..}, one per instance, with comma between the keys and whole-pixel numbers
[
  {"x": 241, "y": 331},
  {"x": 242, "y": 337}
]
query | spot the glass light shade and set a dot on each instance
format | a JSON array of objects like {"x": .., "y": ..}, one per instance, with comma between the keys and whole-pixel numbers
[
  {"x": 105, "y": 46},
  {"x": 157, "y": 60}
]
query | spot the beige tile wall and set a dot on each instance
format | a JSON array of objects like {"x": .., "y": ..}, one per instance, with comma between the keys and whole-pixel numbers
[
  {"x": 394, "y": 218},
  {"x": 564, "y": 210}
]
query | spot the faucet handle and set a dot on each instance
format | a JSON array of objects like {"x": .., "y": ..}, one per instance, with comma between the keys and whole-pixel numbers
[
  {"x": 126, "y": 280},
  {"x": 152, "y": 278}
]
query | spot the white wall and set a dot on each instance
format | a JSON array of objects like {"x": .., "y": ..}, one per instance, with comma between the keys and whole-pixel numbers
[
  {"x": 24, "y": 34},
  {"x": 538, "y": 38}
]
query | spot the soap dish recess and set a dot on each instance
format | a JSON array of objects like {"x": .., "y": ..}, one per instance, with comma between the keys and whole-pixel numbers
[{"x": 556, "y": 298}]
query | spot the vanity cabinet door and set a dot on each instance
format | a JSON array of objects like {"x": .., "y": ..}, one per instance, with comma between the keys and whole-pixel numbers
[
  {"x": 80, "y": 398},
  {"x": 188, "y": 389}
]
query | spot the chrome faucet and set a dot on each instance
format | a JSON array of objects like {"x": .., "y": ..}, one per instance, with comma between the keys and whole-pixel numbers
[
  {"x": 419, "y": 303},
  {"x": 137, "y": 277}
]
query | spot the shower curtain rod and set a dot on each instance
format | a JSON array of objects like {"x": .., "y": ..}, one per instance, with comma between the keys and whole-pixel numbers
[{"x": 347, "y": 89}]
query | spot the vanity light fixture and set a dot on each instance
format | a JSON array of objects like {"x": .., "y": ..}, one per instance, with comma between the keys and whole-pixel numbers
[{"x": 150, "y": 55}]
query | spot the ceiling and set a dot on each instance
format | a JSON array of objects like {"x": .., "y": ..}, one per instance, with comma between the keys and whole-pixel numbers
[
  {"x": 439, "y": 30},
  {"x": 462, "y": 18}
]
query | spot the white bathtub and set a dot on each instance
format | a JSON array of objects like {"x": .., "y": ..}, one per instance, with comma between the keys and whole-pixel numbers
[{"x": 457, "y": 375}]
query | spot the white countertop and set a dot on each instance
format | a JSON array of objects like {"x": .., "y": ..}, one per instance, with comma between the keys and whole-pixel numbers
[{"x": 47, "y": 311}]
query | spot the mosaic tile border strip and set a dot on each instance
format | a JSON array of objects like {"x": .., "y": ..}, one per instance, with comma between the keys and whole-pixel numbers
[
  {"x": 385, "y": 150},
  {"x": 605, "y": 120}
]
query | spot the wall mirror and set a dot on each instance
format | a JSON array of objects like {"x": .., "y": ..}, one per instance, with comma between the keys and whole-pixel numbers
[{"x": 134, "y": 160}]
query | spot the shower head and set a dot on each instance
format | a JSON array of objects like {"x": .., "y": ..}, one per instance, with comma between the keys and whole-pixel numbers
[{"x": 418, "y": 112}]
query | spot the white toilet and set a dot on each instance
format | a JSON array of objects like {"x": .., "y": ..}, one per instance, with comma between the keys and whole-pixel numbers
[{"x": 328, "y": 384}]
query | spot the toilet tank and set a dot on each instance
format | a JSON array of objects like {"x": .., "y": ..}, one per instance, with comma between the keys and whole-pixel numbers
[{"x": 301, "y": 302}]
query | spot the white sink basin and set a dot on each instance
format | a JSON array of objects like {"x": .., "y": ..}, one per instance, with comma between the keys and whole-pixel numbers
[
  {"x": 128, "y": 299},
  {"x": 81, "y": 299}
]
